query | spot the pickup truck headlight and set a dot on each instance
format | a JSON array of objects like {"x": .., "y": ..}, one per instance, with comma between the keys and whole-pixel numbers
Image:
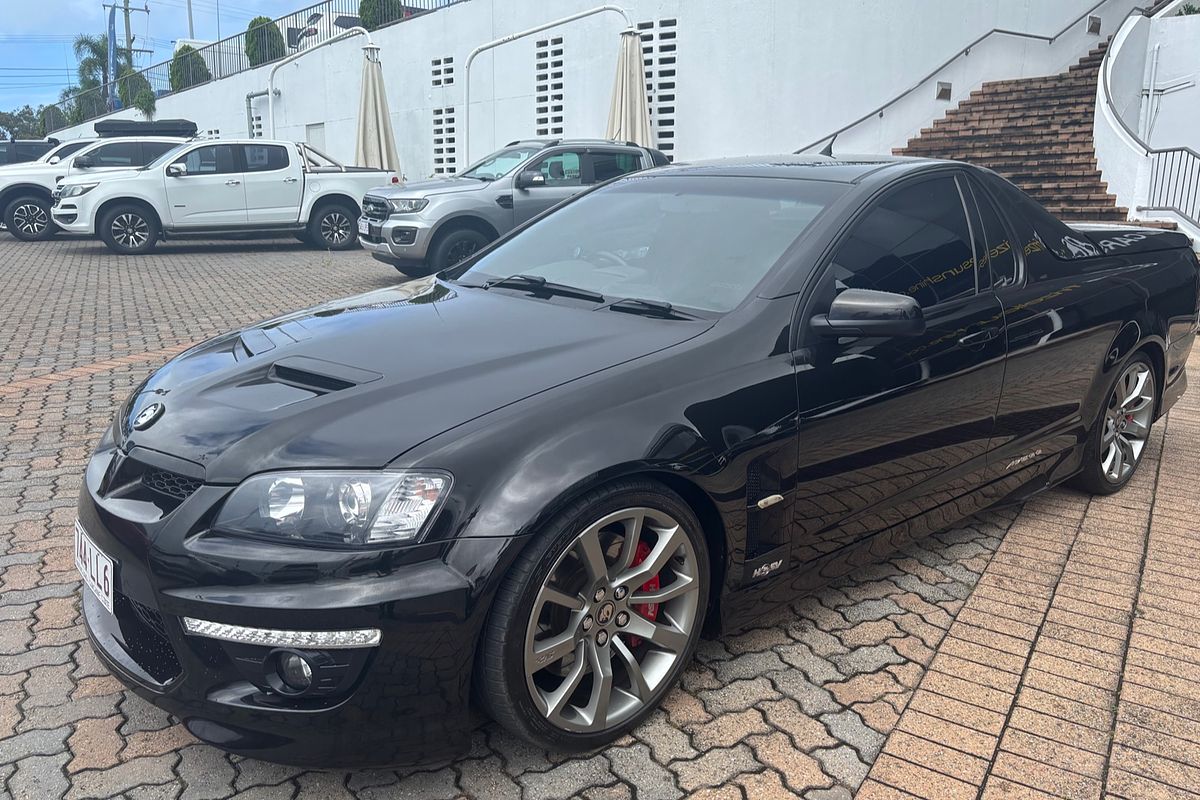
[
  {"x": 407, "y": 206},
  {"x": 79, "y": 188},
  {"x": 335, "y": 509}
]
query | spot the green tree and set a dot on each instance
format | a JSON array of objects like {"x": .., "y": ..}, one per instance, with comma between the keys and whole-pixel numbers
[
  {"x": 144, "y": 102},
  {"x": 130, "y": 84},
  {"x": 377, "y": 13},
  {"x": 188, "y": 69},
  {"x": 22, "y": 123},
  {"x": 264, "y": 42}
]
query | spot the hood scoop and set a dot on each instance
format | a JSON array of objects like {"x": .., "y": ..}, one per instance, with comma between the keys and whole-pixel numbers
[{"x": 318, "y": 376}]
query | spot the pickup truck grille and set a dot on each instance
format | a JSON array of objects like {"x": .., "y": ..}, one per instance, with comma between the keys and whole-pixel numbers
[{"x": 376, "y": 208}]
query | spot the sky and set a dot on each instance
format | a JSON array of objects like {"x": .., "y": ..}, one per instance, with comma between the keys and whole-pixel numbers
[{"x": 36, "y": 61}]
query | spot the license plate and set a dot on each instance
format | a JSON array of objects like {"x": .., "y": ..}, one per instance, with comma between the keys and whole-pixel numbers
[
  {"x": 96, "y": 568},
  {"x": 364, "y": 227}
]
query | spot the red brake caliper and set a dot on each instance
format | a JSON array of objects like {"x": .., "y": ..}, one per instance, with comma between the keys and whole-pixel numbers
[{"x": 647, "y": 610}]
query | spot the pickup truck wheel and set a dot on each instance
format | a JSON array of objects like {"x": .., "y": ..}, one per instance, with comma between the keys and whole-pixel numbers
[
  {"x": 28, "y": 219},
  {"x": 1119, "y": 437},
  {"x": 455, "y": 246},
  {"x": 334, "y": 227},
  {"x": 129, "y": 230}
]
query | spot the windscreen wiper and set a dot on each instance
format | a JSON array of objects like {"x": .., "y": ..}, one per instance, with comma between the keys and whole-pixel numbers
[
  {"x": 537, "y": 284},
  {"x": 649, "y": 308}
]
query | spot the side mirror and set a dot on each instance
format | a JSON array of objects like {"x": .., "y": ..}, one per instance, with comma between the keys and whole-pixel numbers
[
  {"x": 54, "y": 160},
  {"x": 866, "y": 312},
  {"x": 530, "y": 178},
  {"x": 176, "y": 170},
  {"x": 84, "y": 162}
]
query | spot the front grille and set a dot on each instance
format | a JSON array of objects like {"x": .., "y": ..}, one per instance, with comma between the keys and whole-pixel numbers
[
  {"x": 171, "y": 484},
  {"x": 376, "y": 208}
]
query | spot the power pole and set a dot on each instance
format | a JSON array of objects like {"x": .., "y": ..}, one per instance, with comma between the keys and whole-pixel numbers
[
  {"x": 128, "y": 35},
  {"x": 191, "y": 27}
]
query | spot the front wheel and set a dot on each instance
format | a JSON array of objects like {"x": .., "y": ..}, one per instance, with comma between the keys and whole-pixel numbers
[
  {"x": 28, "y": 219},
  {"x": 597, "y": 619},
  {"x": 334, "y": 227},
  {"x": 453, "y": 247},
  {"x": 1118, "y": 439},
  {"x": 129, "y": 230}
]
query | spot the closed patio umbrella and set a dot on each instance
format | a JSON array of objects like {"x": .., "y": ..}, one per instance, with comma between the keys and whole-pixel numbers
[
  {"x": 629, "y": 114},
  {"x": 375, "y": 145}
]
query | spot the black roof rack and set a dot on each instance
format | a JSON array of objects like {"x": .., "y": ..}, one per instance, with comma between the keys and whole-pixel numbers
[{"x": 183, "y": 128}]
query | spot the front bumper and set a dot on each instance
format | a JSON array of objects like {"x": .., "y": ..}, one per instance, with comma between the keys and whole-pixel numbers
[
  {"x": 403, "y": 239},
  {"x": 73, "y": 214},
  {"x": 404, "y": 701}
]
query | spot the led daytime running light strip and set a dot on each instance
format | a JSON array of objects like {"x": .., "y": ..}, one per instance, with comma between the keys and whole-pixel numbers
[{"x": 269, "y": 637}]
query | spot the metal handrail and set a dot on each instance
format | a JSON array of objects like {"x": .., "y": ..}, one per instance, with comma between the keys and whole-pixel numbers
[
  {"x": 964, "y": 51},
  {"x": 1170, "y": 202}
]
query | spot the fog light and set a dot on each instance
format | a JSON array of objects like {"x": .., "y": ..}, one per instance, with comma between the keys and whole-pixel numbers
[{"x": 294, "y": 671}]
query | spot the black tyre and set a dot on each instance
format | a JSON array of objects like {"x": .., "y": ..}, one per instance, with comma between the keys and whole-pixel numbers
[
  {"x": 130, "y": 229},
  {"x": 1119, "y": 438},
  {"x": 452, "y": 247},
  {"x": 28, "y": 219},
  {"x": 596, "y": 620},
  {"x": 334, "y": 226}
]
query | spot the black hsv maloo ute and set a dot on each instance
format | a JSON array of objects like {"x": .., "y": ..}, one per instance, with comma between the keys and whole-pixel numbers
[{"x": 529, "y": 483}]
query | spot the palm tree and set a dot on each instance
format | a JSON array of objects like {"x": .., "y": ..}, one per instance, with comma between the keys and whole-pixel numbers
[{"x": 92, "y": 52}]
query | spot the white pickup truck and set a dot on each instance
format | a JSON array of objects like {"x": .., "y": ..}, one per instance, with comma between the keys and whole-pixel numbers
[
  {"x": 216, "y": 187},
  {"x": 26, "y": 189}
]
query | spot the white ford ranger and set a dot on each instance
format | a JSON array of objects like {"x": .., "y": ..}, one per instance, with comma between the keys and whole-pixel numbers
[
  {"x": 216, "y": 187},
  {"x": 26, "y": 189}
]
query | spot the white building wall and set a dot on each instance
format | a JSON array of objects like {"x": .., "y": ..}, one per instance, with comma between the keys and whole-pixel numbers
[
  {"x": 753, "y": 76},
  {"x": 1175, "y": 118}
]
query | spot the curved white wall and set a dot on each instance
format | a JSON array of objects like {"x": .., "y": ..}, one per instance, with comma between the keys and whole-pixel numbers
[{"x": 753, "y": 76}]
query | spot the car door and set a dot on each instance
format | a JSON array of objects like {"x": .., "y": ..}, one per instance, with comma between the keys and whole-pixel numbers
[
  {"x": 562, "y": 172},
  {"x": 274, "y": 184},
  {"x": 894, "y": 431},
  {"x": 210, "y": 192}
]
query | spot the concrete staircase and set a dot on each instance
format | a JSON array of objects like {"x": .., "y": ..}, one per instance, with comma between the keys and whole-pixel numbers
[{"x": 1037, "y": 132}]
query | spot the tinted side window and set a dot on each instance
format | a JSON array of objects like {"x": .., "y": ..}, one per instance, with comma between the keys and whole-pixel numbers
[
  {"x": 117, "y": 154},
  {"x": 914, "y": 241},
  {"x": 70, "y": 149},
  {"x": 265, "y": 157},
  {"x": 561, "y": 169},
  {"x": 31, "y": 150},
  {"x": 607, "y": 165},
  {"x": 152, "y": 150},
  {"x": 993, "y": 243},
  {"x": 5, "y": 151},
  {"x": 213, "y": 159}
]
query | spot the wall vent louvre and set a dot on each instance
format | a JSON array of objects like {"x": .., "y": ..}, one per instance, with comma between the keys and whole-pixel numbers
[
  {"x": 445, "y": 151},
  {"x": 548, "y": 84},
  {"x": 659, "y": 56},
  {"x": 442, "y": 70}
]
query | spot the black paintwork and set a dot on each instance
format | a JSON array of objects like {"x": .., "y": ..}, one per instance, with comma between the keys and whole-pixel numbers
[{"x": 530, "y": 401}]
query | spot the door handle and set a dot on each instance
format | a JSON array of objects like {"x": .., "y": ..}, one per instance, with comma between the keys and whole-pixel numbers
[
  {"x": 233, "y": 182},
  {"x": 979, "y": 337},
  {"x": 290, "y": 180}
]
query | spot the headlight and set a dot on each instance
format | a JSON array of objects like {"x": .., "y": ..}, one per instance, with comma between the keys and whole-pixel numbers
[
  {"x": 335, "y": 509},
  {"x": 407, "y": 206},
  {"x": 78, "y": 189}
]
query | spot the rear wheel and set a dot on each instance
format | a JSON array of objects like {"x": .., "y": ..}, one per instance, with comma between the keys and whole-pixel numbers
[
  {"x": 453, "y": 247},
  {"x": 334, "y": 227},
  {"x": 129, "y": 230},
  {"x": 28, "y": 219},
  {"x": 597, "y": 619},
  {"x": 1119, "y": 437}
]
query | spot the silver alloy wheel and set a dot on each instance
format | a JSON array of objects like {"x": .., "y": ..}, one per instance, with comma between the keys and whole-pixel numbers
[
  {"x": 1127, "y": 422},
  {"x": 595, "y": 653},
  {"x": 335, "y": 227},
  {"x": 130, "y": 230},
  {"x": 30, "y": 219}
]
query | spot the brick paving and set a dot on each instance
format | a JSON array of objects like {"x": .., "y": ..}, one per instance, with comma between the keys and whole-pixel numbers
[{"x": 1050, "y": 651}]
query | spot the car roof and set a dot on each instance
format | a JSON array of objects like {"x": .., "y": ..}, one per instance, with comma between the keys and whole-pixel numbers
[
  {"x": 840, "y": 169},
  {"x": 554, "y": 142}
]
